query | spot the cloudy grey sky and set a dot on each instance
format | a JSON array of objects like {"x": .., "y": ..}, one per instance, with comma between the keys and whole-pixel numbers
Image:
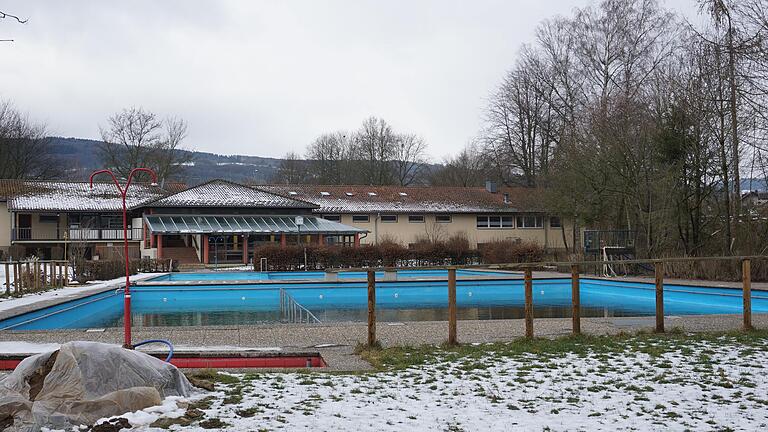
[{"x": 266, "y": 77}]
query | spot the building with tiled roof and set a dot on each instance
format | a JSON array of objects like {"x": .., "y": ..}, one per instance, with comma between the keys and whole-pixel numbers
[
  {"x": 231, "y": 218},
  {"x": 409, "y": 214}
]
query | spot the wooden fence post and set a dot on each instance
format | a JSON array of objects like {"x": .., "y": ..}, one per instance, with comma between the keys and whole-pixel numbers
[
  {"x": 452, "y": 338},
  {"x": 371, "y": 308},
  {"x": 746, "y": 277},
  {"x": 45, "y": 274},
  {"x": 66, "y": 273},
  {"x": 528, "y": 303},
  {"x": 7, "y": 279},
  {"x": 575, "y": 299},
  {"x": 659, "y": 272},
  {"x": 53, "y": 274}
]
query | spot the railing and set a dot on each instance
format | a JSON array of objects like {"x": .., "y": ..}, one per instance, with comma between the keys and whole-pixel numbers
[
  {"x": 74, "y": 234},
  {"x": 292, "y": 312},
  {"x": 575, "y": 268}
]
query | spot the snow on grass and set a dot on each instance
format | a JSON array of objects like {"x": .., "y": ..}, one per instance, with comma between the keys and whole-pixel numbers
[{"x": 648, "y": 384}]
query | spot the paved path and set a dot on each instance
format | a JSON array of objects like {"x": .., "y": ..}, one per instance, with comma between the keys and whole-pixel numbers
[{"x": 336, "y": 342}]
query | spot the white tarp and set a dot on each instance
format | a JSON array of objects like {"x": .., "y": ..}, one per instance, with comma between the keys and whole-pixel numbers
[{"x": 83, "y": 382}]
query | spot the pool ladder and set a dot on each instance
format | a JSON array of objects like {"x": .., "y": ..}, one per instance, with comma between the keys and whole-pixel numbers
[{"x": 292, "y": 312}]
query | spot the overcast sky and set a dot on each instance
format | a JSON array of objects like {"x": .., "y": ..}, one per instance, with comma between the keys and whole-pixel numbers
[{"x": 266, "y": 77}]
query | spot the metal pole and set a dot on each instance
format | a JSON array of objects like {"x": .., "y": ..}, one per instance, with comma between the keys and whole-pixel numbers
[{"x": 127, "y": 293}]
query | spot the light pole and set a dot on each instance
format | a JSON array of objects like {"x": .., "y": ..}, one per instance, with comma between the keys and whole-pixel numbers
[{"x": 127, "y": 293}]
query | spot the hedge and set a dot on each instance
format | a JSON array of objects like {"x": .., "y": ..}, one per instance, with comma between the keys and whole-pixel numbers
[{"x": 455, "y": 251}]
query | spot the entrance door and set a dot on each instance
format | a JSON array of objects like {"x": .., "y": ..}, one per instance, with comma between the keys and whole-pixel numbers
[{"x": 24, "y": 229}]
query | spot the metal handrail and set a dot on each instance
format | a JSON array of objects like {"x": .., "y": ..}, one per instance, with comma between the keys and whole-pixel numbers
[{"x": 292, "y": 311}]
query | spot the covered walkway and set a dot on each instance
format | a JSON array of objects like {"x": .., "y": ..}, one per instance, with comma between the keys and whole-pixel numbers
[{"x": 229, "y": 238}]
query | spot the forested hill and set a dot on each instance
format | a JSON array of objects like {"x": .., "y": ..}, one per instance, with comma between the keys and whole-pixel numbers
[{"x": 80, "y": 157}]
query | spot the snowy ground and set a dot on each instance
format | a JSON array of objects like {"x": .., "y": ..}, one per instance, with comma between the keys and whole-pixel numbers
[{"x": 640, "y": 383}]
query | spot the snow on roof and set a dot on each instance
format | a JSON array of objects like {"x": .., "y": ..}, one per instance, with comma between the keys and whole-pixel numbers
[
  {"x": 422, "y": 199},
  {"x": 223, "y": 193},
  {"x": 29, "y": 195}
]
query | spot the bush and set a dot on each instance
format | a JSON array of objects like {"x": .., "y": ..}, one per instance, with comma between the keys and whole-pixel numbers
[
  {"x": 507, "y": 251},
  {"x": 386, "y": 254}
]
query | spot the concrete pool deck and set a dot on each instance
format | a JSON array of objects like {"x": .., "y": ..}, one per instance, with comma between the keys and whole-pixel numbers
[{"x": 336, "y": 342}]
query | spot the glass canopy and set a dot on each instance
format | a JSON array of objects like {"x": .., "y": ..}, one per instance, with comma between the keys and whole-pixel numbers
[{"x": 197, "y": 224}]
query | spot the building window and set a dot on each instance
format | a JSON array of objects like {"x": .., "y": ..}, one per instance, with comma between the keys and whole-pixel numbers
[
  {"x": 333, "y": 218},
  {"x": 443, "y": 218},
  {"x": 49, "y": 218},
  {"x": 361, "y": 218},
  {"x": 389, "y": 218},
  {"x": 554, "y": 222},
  {"x": 416, "y": 218},
  {"x": 112, "y": 222},
  {"x": 495, "y": 222},
  {"x": 530, "y": 222},
  {"x": 507, "y": 222}
]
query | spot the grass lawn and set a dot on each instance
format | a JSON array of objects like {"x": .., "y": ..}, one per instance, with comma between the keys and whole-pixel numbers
[{"x": 642, "y": 382}]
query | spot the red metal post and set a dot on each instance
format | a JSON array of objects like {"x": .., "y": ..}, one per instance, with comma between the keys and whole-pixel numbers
[
  {"x": 283, "y": 240},
  {"x": 205, "y": 248},
  {"x": 357, "y": 240},
  {"x": 159, "y": 246},
  {"x": 127, "y": 292},
  {"x": 245, "y": 249}
]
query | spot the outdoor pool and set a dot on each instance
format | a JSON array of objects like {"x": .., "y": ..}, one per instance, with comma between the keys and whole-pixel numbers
[{"x": 228, "y": 299}]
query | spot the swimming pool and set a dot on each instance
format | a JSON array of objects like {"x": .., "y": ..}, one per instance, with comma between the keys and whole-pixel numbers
[{"x": 415, "y": 296}]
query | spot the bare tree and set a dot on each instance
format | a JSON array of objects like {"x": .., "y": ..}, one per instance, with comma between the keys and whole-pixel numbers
[
  {"x": 374, "y": 147},
  {"x": 468, "y": 168},
  {"x": 329, "y": 158},
  {"x": 24, "y": 147},
  {"x": 409, "y": 159},
  {"x": 138, "y": 138},
  {"x": 292, "y": 170}
]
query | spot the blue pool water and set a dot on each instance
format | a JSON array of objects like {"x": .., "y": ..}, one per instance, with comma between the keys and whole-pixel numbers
[{"x": 407, "y": 299}]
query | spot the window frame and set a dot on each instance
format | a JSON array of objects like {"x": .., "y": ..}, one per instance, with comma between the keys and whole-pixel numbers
[
  {"x": 559, "y": 223},
  {"x": 449, "y": 218},
  {"x": 360, "y": 217},
  {"x": 536, "y": 219},
  {"x": 334, "y": 217},
  {"x": 496, "y": 222},
  {"x": 414, "y": 218},
  {"x": 396, "y": 218}
]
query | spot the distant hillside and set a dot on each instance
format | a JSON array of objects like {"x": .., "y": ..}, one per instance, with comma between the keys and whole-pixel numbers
[{"x": 80, "y": 157}]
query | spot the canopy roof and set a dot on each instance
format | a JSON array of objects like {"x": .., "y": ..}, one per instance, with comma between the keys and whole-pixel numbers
[{"x": 236, "y": 224}]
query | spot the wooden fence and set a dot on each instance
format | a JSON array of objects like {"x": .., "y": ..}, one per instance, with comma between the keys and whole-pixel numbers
[
  {"x": 34, "y": 275},
  {"x": 575, "y": 267}
]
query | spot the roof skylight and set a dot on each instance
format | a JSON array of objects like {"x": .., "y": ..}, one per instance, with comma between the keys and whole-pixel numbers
[
  {"x": 403, "y": 194},
  {"x": 371, "y": 193},
  {"x": 293, "y": 193},
  {"x": 325, "y": 193}
]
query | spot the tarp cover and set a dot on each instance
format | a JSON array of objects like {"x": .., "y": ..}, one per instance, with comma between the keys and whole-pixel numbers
[{"x": 83, "y": 382}]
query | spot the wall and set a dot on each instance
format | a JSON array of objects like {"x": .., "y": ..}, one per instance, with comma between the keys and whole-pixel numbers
[{"x": 405, "y": 232}]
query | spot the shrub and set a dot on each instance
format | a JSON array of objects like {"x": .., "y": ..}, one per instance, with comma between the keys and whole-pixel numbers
[{"x": 507, "y": 251}]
